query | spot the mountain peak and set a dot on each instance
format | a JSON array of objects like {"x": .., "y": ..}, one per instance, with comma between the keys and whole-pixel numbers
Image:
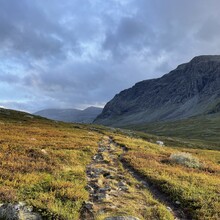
[
  {"x": 71, "y": 115},
  {"x": 200, "y": 59},
  {"x": 205, "y": 58},
  {"x": 91, "y": 108}
]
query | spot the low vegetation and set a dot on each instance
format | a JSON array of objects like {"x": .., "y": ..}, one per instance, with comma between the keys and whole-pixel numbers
[
  {"x": 43, "y": 163},
  {"x": 193, "y": 188},
  {"x": 185, "y": 159},
  {"x": 200, "y": 131}
]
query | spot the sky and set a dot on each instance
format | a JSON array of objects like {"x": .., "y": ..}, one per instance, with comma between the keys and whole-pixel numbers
[{"x": 79, "y": 53}]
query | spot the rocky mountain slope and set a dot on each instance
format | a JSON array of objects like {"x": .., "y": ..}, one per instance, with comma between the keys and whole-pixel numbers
[
  {"x": 191, "y": 89},
  {"x": 71, "y": 115}
]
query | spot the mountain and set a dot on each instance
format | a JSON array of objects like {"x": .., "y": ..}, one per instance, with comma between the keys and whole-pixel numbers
[
  {"x": 191, "y": 89},
  {"x": 71, "y": 115}
]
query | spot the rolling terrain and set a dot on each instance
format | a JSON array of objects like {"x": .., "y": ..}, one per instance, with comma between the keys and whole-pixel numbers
[
  {"x": 43, "y": 163},
  {"x": 203, "y": 130},
  {"x": 56, "y": 170}
]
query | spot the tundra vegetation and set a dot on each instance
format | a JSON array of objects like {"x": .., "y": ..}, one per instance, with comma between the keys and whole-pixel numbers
[
  {"x": 189, "y": 177},
  {"x": 44, "y": 163}
]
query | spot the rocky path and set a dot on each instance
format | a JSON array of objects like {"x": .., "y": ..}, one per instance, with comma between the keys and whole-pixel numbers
[{"x": 116, "y": 190}]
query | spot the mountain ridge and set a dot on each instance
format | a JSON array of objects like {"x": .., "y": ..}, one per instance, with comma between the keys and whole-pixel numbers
[
  {"x": 71, "y": 115},
  {"x": 191, "y": 89}
]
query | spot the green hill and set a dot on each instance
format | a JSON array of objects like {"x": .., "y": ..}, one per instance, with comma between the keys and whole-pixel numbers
[{"x": 202, "y": 130}]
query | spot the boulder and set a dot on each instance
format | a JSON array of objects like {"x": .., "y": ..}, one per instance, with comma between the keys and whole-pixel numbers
[{"x": 18, "y": 212}]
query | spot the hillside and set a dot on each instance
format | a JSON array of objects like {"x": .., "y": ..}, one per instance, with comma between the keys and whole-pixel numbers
[
  {"x": 203, "y": 130},
  {"x": 191, "y": 89},
  {"x": 71, "y": 115},
  {"x": 43, "y": 164},
  {"x": 56, "y": 170}
]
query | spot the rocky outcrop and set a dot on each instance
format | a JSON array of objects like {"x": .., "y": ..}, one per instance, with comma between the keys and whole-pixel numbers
[{"x": 191, "y": 89}]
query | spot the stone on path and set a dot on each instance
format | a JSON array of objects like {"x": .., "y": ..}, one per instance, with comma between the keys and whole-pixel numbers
[{"x": 122, "y": 218}]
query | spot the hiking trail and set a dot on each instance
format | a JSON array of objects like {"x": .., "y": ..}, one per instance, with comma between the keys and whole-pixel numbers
[{"x": 116, "y": 189}]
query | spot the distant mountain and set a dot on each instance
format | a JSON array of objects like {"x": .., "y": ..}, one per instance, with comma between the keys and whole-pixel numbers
[
  {"x": 71, "y": 115},
  {"x": 191, "y": 89}
]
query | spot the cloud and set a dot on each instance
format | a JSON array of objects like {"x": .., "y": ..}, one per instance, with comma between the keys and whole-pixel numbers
[
  {"x": 80, "y": 53},
  {"x": 9, "y": 78},
  {"x": 27, "y": 28},
  {"x": 131, "y": 35}
]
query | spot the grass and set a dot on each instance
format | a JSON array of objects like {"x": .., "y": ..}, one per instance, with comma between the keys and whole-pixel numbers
[
  {"x": 202, "y": 131},
  {"x": 43, "y": 163},
  {"x": 196, "y": 189}
]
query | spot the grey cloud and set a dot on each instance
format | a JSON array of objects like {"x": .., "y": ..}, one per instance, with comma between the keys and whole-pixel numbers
[
  {"x": 27, "y": 28},
  {"x": 9, "y": 78},
  {"x": 77, "y": 53},
  {"x": 210, "y": 30},
  {"x": 131, "y": 35}
]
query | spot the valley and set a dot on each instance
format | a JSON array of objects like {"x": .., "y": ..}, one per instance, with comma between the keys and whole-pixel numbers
[
  {"x": 71, "y": 115},
  {"x": 109, "y": 110},
  {"x": 58, "y": 170},
  {"x": 199, "y": 131}
]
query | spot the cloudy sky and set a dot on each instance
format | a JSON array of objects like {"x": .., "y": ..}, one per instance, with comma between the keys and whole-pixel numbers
[{"x": 77, "y": 53}]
